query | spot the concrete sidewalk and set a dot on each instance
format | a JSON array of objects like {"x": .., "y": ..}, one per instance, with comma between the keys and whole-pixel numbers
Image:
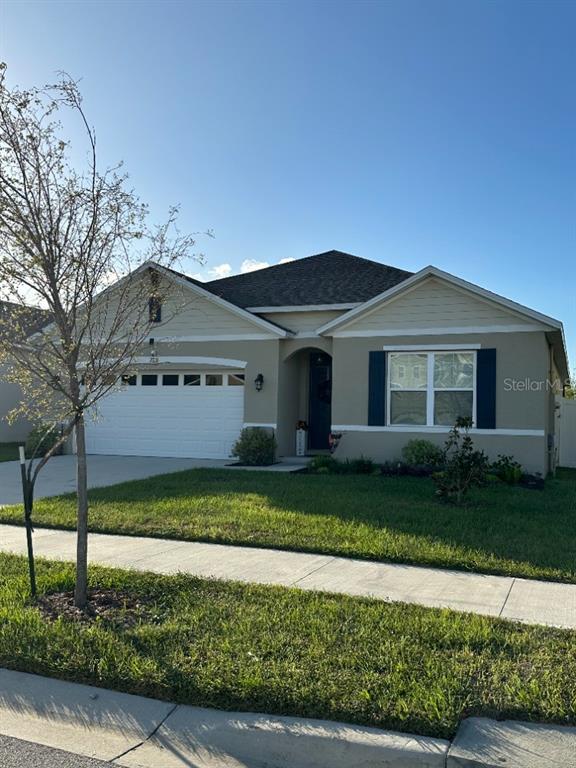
[
  {"x": 534, "y": 602},
  {"x": 136, "y": 732}
]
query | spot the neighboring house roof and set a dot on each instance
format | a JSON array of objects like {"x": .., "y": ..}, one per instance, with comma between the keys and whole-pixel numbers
[
  {"x": 31, "y": 318},
  {"x": 327, "y": 278}
]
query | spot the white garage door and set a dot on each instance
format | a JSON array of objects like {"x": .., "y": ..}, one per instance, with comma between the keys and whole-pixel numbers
[{"x": 165, "y": 413}]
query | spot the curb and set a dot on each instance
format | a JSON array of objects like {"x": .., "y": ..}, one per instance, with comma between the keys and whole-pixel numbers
[
  {"x": 263, "y": 741},
  {"x": 484, "y": 743},
  {"x": 138, "y": 732}
]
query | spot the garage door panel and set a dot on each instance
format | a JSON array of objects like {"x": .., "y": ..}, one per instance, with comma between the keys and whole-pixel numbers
[{"x": 197, "y": 422}]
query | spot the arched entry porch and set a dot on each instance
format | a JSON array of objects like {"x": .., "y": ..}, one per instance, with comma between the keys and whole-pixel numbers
[{"x": 305, "y": 395}]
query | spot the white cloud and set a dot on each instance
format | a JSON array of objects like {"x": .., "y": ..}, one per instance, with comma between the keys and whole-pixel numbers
[
  {"x": 251, "y": 265},
  {"x": 222, "y": 270},
  {"x": 225, "y": 270}
]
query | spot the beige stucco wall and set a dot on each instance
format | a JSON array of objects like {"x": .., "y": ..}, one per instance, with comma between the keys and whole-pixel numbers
[
  {"x": 10, "y": 396},
  {"x": 260, "y": 356},
  {"x": 520, "y": 357},
  {"x": 387, "y": 446},
  {"x": 290, "y": 386},
  {"x": 435, "y": 304}
]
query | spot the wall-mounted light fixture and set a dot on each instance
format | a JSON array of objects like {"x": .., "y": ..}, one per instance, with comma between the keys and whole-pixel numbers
[{"x": 259, "y": 382}]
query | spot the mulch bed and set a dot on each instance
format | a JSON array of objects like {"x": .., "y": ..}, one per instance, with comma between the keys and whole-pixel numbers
[{"x": 114, "y": 606}]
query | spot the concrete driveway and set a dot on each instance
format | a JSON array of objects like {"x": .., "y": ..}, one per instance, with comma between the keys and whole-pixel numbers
[{"x": 59, "y": 475}]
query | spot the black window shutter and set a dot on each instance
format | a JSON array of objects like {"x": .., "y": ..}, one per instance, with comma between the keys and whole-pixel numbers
[
  {"x": 377, "y": 389},
  {"x": 154, "y": 310},
  {"x": 486, "y": 389}
]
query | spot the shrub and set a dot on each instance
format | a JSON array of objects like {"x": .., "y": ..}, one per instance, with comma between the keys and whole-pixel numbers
[
  {"x": 390, "y": 468},
  {"x": 422, "y": 453},
  {"x": 361, "y": 466},
  {"x": 507, "y": 469},
  {"x": 255, "y": 447},
  {"x": 42, "y": 438},
  {"x": 464, "y": 467},
  {"x": 323, "y": 464}
]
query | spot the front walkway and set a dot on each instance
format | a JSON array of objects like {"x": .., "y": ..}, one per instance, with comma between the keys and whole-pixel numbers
[
  {"x": 534, "y": 602},
  {"x": 59, "y": 475}
]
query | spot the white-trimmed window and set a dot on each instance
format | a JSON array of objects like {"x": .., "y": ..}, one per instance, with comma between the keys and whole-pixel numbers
[{"x": 430, "y": 388}]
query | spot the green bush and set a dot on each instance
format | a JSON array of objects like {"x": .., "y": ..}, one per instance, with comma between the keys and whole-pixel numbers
[
  {"x": 361, "y": 466},
  {"x": 42, "y": 438},
  {"x": 255, "y": 447},
  {"x": 464, "y": 467},
  {"x": 422, "y": 453},
  {"x": 508, "y": 469},
  {"x": 324, "y": 465}
]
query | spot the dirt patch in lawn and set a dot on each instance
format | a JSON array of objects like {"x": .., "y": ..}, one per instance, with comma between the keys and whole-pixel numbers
[{"x": 123, "y": 609}]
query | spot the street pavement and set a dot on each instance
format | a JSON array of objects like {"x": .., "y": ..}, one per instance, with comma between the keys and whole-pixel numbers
[{"x": 15, "y": 753}]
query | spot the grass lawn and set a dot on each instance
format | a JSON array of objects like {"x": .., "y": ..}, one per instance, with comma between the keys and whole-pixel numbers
[
  {"x": 276, "y": 650},
  {"x": 9, "y": 451},
  {"x": 504, "y": 530}
]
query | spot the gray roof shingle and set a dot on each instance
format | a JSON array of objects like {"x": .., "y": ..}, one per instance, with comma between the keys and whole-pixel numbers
[
  {"x": 31, "y": 319},
  {"x": 332, "y": 277}
]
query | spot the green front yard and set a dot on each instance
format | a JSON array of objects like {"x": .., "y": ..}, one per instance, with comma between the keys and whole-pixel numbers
[
  {"x": 503, "y": 529},
  {"x": 9, "y": 451},
  {"x": 277, "y": 650}
]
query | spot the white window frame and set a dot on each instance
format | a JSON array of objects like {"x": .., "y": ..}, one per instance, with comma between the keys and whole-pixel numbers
[
  {"x": 181, "y": 373},
  {"x": 430, "y": 389}
]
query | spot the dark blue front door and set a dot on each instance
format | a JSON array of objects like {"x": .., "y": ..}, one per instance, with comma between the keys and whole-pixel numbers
[{"x": 320, "y": 405}]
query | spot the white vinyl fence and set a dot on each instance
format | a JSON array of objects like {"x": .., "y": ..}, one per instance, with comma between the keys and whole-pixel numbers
[{"x": 567, "y": 433}]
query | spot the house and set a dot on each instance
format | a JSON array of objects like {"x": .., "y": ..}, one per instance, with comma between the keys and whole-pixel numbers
[
  {"x": 371, "y": 353},
  {"x": 10, "y": 394}
]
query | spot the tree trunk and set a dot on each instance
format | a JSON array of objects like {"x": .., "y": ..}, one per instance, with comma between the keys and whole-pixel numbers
[
  {"x": 81, "y": 590},
  {"x": 28, "y": 495}
]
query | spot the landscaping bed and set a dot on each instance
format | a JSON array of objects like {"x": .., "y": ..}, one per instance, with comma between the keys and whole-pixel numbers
[
  {"x": 281, "y": 651},
  {"x": 502, "y": 529}
]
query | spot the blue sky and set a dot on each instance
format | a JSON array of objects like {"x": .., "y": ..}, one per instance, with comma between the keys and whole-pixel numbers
[{"x": 439, "y": 132}]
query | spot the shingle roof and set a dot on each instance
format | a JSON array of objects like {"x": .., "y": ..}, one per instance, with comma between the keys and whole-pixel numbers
[
  {"x": 31, "y": 319},
  {"x": 332, "y": 277}
]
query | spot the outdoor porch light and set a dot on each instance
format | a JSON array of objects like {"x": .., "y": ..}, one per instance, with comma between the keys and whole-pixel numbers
[{"x": 259, "y": 382}]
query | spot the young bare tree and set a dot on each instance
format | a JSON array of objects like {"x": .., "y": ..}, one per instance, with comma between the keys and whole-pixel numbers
[{"x": 77, "y": 243}]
